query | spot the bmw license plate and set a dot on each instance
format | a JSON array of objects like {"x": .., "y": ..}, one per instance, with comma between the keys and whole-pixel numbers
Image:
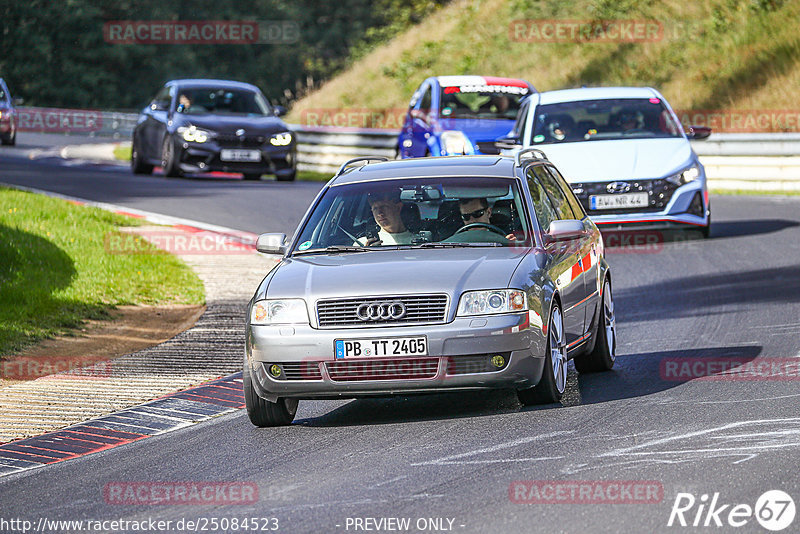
[
  {"x": 380, "y": 347},
  {"x": 610, "y": 202},
  {"x": 239, "y": 155}
]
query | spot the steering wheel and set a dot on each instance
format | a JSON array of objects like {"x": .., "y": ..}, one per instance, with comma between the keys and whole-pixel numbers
[{"x": 490, "y": 227}]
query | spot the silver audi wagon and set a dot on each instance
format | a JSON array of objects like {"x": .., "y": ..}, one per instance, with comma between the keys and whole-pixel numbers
[{"x": 430, "y": 275}]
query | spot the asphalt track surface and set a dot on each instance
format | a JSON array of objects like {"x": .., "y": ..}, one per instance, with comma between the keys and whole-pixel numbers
[{"x": 455, "y": 456}]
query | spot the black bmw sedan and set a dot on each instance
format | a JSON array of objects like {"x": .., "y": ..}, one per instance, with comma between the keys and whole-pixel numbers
[{"x": 197, "y": 126}]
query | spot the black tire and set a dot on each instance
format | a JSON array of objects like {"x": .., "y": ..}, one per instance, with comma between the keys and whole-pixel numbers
[
  {"x": 251, "y": 176},
  {"x": 550, "y": 389},
  {"x": 287, "y": 177},
  {"x": 137, "y": 165},
  {"x": 11, "y": 140},
  {"x": 604, "y": 353},
  {"x": 169, "y": 159},
  {"x": 263, "y": 413},
  {"x": 707, "y": 229}
]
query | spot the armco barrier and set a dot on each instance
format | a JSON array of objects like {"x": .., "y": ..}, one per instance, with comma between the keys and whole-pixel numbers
[{"x": 732, "y": 160}]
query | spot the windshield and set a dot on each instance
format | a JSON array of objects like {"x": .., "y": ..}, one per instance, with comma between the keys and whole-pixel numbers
[
  {"x": 592, "y": 120},
  {"x": 417, "y": 212},
  {"x": 471, "y": 103},
  {"x": 205, "y": 101}
]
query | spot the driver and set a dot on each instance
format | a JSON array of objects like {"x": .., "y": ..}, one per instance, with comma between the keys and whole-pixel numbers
[
  {"x": 477, "y": 210},
  {"x": 386, "y": 207}
]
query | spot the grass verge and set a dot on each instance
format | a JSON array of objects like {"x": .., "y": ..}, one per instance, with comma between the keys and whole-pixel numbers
[
  {"x": 753, "y": 192},
  {"x": 123, "y": 152},
  {"x": 55, "y": 270}
]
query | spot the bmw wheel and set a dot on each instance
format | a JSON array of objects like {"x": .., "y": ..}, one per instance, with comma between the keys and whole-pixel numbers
[
  {"x": 602, "y": 357},
  {"x": 554, "y": 375},
  {"x": 169, "y": 158}
]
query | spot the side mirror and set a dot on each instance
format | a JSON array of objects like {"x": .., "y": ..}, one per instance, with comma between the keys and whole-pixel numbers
[
  {"x": 698, "y": 132},
  {"x": 508, "y": 143},
  {"x": 271, "y": 244},
  {"x": 564, "y": 230},
  {"x": 279, "y": 111},
  {"x": 17, "y": 101}
]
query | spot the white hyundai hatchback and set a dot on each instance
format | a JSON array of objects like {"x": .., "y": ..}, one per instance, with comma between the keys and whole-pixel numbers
[{"x": 623, "y": 151}]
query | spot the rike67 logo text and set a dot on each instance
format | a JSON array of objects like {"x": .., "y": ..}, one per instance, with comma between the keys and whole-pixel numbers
[{"x": 774, "y": 510}]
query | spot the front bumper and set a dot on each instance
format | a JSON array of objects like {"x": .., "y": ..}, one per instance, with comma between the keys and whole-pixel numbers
[
  {"x": 205, "y": 157},
  {"x": 522, "y": 345}
]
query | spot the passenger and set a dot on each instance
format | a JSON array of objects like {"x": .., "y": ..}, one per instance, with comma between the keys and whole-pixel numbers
[
  {"x": 477, "y": 210},
  {"x": 386, "y": 207}
]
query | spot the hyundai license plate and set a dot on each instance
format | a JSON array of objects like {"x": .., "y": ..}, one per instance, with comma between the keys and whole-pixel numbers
[
  {"x": 380, "y": 347},
  {"x": 239, "y": 155},
  {"x": 611, "y": 202}
]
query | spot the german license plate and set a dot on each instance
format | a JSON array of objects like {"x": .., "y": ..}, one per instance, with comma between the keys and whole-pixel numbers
[
  {"x": 239, "y": 155},
  {"x": 381, "y": 347},
  {"x": 611, "y": 202}
]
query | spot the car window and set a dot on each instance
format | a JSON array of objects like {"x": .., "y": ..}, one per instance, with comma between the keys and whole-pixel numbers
[
  {"x": 163, "y": 98},
  {"x": 208, "y": 100},
  {"x": 577, "y": 209},
  {"x": 554, "y": 192},
  {"x": 418, "y": 211},
  {"x": 425, "y": 101},
  {"x": 522, "y": 115},
  {"x": 545, "y": 213}
]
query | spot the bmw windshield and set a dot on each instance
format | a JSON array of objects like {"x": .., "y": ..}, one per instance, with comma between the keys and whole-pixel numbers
[
  {"x": 416, "y": 212},
  {"x": 595, "y": 120},
  {"x": 207, "y": 101}
]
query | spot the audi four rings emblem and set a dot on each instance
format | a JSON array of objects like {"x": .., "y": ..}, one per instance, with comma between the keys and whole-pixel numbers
[{"x": 381, "y": 311}]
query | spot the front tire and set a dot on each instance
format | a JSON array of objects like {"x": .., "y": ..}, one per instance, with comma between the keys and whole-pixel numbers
[
  {"x": 287, "y": 177},
  {"x": 169, "y": 158},
  {"x": 263, "y": 413},
  {"x": 551, "y": 387},
  {"x": 251, "y": 176},
  {"x": 11, "y": 140},
  {"x": 604, "y": 353}
]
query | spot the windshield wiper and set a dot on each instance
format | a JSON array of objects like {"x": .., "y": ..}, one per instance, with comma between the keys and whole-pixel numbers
[
  {"x": 334, "y": 248},
  {"x": 456, "y": 245}
]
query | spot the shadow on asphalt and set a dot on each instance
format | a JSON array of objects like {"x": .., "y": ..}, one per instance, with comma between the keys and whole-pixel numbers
[{"x": 749, "y": 227}]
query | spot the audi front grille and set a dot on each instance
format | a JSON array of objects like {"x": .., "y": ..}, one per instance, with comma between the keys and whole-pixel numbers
[
  {"x": 382, "y": 311},
  {"x": 383, "y": 369}
]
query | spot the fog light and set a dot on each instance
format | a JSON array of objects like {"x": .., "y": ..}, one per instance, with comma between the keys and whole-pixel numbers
[
  {"x": 275, "y": 370},
  {"x": 498, "y": 361}
]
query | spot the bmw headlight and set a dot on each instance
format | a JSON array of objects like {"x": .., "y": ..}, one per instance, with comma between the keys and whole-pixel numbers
[
  {"x": 279, "y": 311},
  {"x": 281, "y": 139},
  {"x": 492, "y": 302},
  {"x": 685, "y": 176},
  {"x": 455, "y": 143},
  {"x": 194, "y": 134}
]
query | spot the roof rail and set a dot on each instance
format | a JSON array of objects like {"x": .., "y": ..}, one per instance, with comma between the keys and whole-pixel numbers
[
  {"x": 348, "y": 163},
  {"x": 533, "y": 153}
]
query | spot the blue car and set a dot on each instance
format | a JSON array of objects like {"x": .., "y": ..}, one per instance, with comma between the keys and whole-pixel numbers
[{"x": 454, "y": 115}]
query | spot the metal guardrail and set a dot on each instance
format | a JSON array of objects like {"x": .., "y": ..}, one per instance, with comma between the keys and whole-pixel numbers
[{"x": 728, "y": 157}]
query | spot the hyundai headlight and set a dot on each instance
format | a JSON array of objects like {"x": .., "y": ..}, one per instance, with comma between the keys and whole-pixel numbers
[
  {"x": 685, "y": 176},
  {"x": 194, "y": 134},
  {"x": 279, "y": 311},
  {"x": 492, "y": 302},
  {"x": 455, "y": 143},
  {"x": 281, "y": 139}
]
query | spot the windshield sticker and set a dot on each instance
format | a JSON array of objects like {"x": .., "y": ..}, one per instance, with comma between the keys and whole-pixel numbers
[
  {"x": 538, "y": 139},
  {"x": 446, "y": 112},
  {"x": 483, "y": 88},
  {"x": 304, "y": 246}
]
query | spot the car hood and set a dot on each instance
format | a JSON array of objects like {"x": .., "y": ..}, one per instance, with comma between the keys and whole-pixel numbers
[
  {"x": 603, "y": 161},
  {"x": 231, "y": 123},
  {"x": 389, "y": 272},
  {"x": 478, "y": 130}
]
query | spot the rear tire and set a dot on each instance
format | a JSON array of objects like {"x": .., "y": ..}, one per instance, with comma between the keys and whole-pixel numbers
[
  {"x": 553, "y": 383},
  {"x": 604, "y": 353},
  {"x": 137, "y": 165},
  {"x": 11, "y": 140},
  {"x": 287, "y": 177},
  {"x": 263, "y": 413},
  {"x": 251, "y": 176}
]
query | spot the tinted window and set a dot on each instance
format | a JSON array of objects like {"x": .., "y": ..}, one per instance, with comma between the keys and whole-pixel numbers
[
  {"x": 460, "y": 104},
  {"x": 208, "y": 100},
  {"x": 541, "y": 203},
  {"x": 425, "y": 102},
  {"x": 554, "y": 192},
  {"x": 163, "y": 98},
  {"x": 573, "y": 201}
]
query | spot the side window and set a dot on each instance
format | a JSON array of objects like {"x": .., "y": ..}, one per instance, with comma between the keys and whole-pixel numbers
[
  {"x": 545, "y": 213},
  {"x": 162, "y": 98},
  {"x": 577, "y": 209},
  {"x": 554, "y": 192},
  {"x": 425, "y": 101}
]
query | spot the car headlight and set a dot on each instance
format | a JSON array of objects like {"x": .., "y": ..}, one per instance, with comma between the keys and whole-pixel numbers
[
  {"x": 281, "y": 139},
  {"x": 685, "y": 176},
  {"x": 492, "y": 302},
  {"x": 194, "y": 134},
  {"x": 455, "y": 142},
  {"x": 279, "y": 311}
]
